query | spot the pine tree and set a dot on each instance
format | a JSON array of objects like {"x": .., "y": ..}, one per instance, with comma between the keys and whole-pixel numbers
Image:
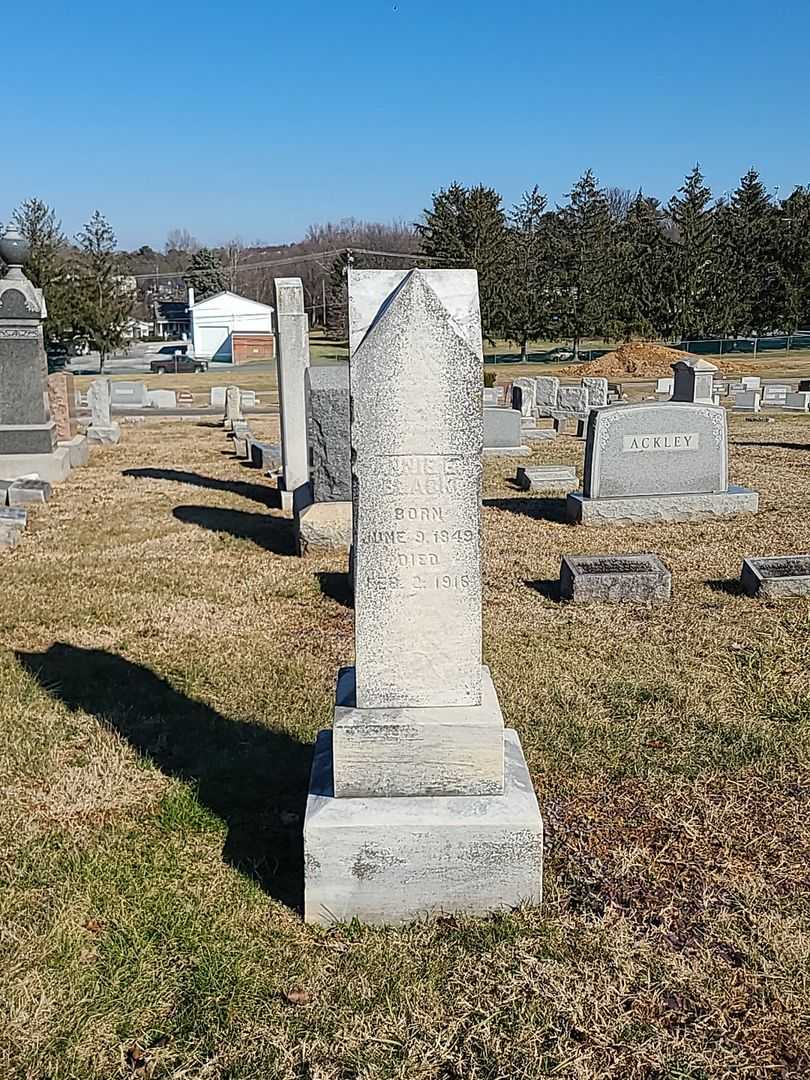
[
  {"x": 104, "y": 300},
  {"x": 47, "y": 266},
  {"x": 585, "y": 257},
  {"x": 467, "y": 228},
  {"x": 205, "y": 274},
  {"x": 794, "y": 263},
  {"x": 643, "y": 273},
  {"x": 693, "y": 256},
  {"x": 749, "y": 237},
  {"x": 528, "y": 294}
]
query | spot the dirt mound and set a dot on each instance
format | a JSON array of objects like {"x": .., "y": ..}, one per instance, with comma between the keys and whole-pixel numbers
[{"x": 638, "y": 359}]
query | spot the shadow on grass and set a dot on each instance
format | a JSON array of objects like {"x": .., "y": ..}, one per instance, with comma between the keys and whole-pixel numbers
[
  {"x": 251, "y": 777},
  {"x": 539, "y": 509},
  {"x": 261, "y": 493},
  {"x": 336, "y": 587},
  {"x": 730, "y": 586},
  {"x": 274, "y": 534},
  {"x": 548, "y": 587}
]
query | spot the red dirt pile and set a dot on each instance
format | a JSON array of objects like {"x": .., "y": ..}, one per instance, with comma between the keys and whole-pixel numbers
[{"x": 639, "y": 360}]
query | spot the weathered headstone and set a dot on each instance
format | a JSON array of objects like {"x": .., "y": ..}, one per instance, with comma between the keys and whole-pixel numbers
[
  {"x": 597, "y": 391},
  {"x": 422, "y": 803},
  {"x": 62, "y": 401},
  {"x": 776, "y": 577},
  {"x": 102, "y": 427},
  {"x": 502, "y": 433},
  {"x": 572, "y": 399},
  {"x": 292, "y": 338},
  {"x": 527, "y": 395},
  {"x": 799, "y": 402},
  {"x": 693, "y": 380},
  {"x": 665, "y": 461},
  {"x": 23, "y": 492},
  {"x": 328, "y": 427},
  {"x": 125, "y": 394},
  {"x": 27, "y": 430},
  {"x": 547, "y": 388},
  {"x": 217, "y": 397},
  {"x": 614, "y": 579},
  {"x": 233, "y": 407}
]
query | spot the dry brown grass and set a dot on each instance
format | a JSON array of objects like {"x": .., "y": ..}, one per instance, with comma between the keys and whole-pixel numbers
[{"x": 166, "y": 663}]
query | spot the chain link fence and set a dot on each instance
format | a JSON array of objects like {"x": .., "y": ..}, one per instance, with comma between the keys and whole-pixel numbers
[{"x": 747, "y": 346}]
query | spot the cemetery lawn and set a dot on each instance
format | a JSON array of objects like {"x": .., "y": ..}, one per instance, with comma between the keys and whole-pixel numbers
[{"x": 165, "y": 664}]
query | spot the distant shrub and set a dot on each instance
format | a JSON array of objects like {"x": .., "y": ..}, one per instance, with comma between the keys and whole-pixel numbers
[{"x": 489, "y": 379}]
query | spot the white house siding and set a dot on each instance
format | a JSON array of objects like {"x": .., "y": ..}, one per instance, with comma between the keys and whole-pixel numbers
[{"x": 214, "y": 319}]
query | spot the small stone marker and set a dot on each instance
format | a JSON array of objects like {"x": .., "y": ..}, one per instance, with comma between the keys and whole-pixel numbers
[
  {"x": 420, "y": 802},
  {"x": 491, "y": 396},
  {"x": 665, "y": 386},
  {"x": 25, "y": 492},
  {"x": 693, "y": 380},
  {"x": 129, "y": 394},
  {"x": 614, "y": 579},
  {"x": 217, "y": 398},
  {"x": 292, "y": 351},
  {"x": 776, "y": 577},
  {"x": 547, "y": 389},
  {"x": 527, "y": 389},
  {"x": 665, "y": 461},
  {"x": 161, "y": 399},
  {"x": 556, "y": 479},
  {"x": 233, "y": 407},
  {"x": 102, "y": 428},
  {"x": 62, "y": 401},
  {"x": 748, "y": 401},
  {"x": 572, "y": 399},
  {"x": 751, "y": 382}
]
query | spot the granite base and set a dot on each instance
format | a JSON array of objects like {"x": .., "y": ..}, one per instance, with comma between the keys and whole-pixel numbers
[
  {"x": 506, "y": 451},
  {"x": 78, "y": 449},
  {"x": 324, "y": 527},
  {"x": 53, "y": 467},
  {"x": 656, "y": 509},
  {"x": 106, "y": 436},
  {"x": 395, "y": 860}
]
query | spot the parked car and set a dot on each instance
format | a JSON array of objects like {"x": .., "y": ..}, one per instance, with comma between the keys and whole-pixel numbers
[{"x": 178, "y": 364}]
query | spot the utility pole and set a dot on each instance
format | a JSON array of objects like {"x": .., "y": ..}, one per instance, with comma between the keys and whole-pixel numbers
[{"x": 323, "y": 292}]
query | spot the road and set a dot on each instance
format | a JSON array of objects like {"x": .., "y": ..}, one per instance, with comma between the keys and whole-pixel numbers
[{"x": 136, "y": 360}]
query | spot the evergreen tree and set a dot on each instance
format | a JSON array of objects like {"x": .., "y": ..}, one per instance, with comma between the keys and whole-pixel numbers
[
  {"x": 643, "y": 282},
  {"x": 104, "y": 300},
  {"x": 748, "y": 232},
  {"x": 794, "y": 263},
  {"x": 693, "y": 256},
  {"x": 205, "y": 274},
  {"x": 47, "y": 266},
  {"x": 467, "y": 228},
  {"x": 585, "y": 257},
  {"x": 528, "y": 295}
]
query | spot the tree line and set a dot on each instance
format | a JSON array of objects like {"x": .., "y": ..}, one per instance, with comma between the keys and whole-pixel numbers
[{"x": 614, "y": 264}]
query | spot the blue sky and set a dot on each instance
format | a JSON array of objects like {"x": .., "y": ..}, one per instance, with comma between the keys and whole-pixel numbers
[{"x": 255, "y": 119}]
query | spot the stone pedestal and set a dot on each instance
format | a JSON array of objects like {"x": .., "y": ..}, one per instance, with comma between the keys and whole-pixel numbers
[
  {"x": 292, "y": 351},
  {"x": 324, "y": 526},
  {"x": 103, "y": 428},
  {"x": 53, "y": 467},
  {"x": 656, "y": 509},
  {"x": 395, "y": 860}
]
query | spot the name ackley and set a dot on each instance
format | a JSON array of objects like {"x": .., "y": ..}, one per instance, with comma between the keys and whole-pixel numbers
[{"x": 680, "y": 440}]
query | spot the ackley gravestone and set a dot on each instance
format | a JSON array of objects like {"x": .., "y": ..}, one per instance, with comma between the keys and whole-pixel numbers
[
  {"x": 422, "y": 802},
  {"x": 665, "y": 461}
]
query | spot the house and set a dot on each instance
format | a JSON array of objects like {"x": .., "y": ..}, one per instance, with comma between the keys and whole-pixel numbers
[
  {"x": 137, "y": 329},
  {"x": 171, "y": 319},
  {"x": 231, "y": 328}
]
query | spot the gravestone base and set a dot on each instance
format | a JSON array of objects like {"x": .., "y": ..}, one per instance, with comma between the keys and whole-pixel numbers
[
  {"x": 53, "y": 467},
  {"x": 78, "y": 450},
  {"x": 539, "y": 434},
  {"x": 505, "y": 451},
  {"x": 27, "y": 438},
  {"x": 324, "y": 526},
  {"x": 657, "y": 509},
  {"x": 614, "y": 579},
  {"x": 443, "y": 751},
  {"x": 25, "y": 492},
  {"x": 106, "y": 436},
  {"x": 777, "y": 577},
  {"x": 555, "y": 479},
  {"x": 393, "y": 860}
]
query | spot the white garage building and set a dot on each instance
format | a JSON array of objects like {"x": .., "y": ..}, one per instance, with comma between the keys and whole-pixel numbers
[{"x": 230, "y": 328}]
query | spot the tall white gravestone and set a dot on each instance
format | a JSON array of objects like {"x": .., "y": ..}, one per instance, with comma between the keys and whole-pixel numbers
[
  {"x": 103, "y": 429},
  {"x": 292, "y": 352},
  {"x": 420, "y": 802}
]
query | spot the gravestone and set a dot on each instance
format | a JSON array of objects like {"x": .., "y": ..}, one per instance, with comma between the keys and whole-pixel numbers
[
  {"x": 614, "y": 579},
  {"x": 527, "y": 395},
  {"x": 653, "y": 462},
  {"x": 23, "y": 492},
  {"x": 420, "y": 802},
  {"x": 799, "y": 402},
  {"x": 128, "y": 395},
  {"x": 572, "y": 399},
  {"x": 491, "y": 396},
  {"x": 217, "y": 397},
  {"x": 748, "y": 401},
  {"x": 665, "y": 387},
  {"x": 776, "y": 577},
  {"x": 326, "y": 523},
  {"x": 547, "y": 389},
  {"x": 751, "y": 382},
  {"x": 693, "y": 380},
  {"x": 27, "y": 430},
  {"x": 62, "y": 402},
  {"x": 597, "y": 392},
  {"x": 102, "y": 428},
  {"x": 292, "y": 352},
  {"x": 233, "y": 407},
  {"x": 553, "y": 479},
  {"x": 161, "y": 399},
  {"x": 774, "y": 394},
  {"x": 502, "y": 433}
]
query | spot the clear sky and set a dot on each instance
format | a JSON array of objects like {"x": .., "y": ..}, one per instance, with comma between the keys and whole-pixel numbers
[{"x": 254, "y": 118}]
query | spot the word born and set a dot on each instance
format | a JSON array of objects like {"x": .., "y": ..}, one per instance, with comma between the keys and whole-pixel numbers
[
  {"x": 418, "y": 513},
  {"x": 681, "y": 440}
]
